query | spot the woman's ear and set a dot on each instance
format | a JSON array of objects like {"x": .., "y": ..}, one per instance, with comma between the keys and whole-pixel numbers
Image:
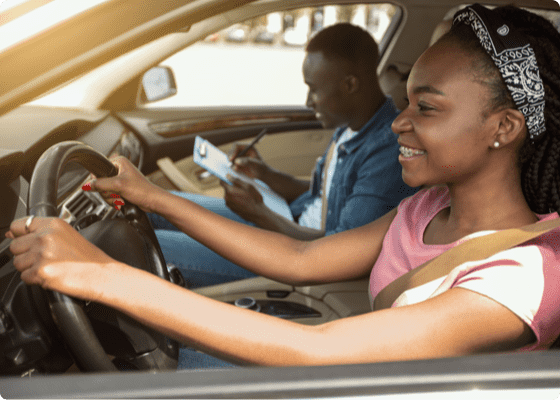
[{"x": 511, "y": 127}]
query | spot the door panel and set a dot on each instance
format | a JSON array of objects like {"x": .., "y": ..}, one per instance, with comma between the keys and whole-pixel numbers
[
  {"x": 293, "y": 152},
  {"x": 293, "y": 142}
]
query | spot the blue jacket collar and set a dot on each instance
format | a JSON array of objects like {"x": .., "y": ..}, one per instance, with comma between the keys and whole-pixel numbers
[{"x": 388, "y": 107}]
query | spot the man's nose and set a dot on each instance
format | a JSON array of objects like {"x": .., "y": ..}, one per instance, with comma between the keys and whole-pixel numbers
[{"x": 309, "y": 101}]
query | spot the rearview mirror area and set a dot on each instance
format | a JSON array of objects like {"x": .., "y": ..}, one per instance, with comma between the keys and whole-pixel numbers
[{"x": 158, "y": 83}]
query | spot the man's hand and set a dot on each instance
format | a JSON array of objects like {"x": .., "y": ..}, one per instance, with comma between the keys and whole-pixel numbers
[
  {"x": 55, "y": 256},
  {"x": 245, "y": 200},
  {"x": 250, "y": 164}
]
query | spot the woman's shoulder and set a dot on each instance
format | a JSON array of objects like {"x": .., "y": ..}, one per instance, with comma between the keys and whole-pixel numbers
[{"x": 551, "y": 239}]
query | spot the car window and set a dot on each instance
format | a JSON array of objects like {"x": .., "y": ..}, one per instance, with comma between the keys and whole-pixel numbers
[{"x": 258, "y": 62}]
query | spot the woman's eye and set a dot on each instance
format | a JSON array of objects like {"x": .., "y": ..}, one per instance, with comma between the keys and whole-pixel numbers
[
  {"x": 424, "y": 107},
  {"x": 421, "y": 106}
]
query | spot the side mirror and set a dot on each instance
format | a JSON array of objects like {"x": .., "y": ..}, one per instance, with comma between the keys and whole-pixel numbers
[{"x": 158, "y": 83}]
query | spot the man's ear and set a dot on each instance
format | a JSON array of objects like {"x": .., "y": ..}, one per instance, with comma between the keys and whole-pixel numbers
[
  {"x": 511, "y": 126},
  {"x": 351, "y": 83}
]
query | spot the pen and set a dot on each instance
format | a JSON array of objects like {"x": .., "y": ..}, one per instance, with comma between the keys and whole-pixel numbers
[{"x": 246, "y": 149}]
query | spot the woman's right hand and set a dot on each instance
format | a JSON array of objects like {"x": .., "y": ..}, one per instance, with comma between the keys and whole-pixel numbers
[{"x": 129, "y": 184}]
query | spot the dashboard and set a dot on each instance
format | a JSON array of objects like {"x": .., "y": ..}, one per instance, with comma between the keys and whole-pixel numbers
[{"x": 26, "y": 133}]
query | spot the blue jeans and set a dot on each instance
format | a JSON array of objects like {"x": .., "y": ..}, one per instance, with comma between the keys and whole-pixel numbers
[
  {"x": 191, "y": 359},
  {"x": 199, "y": 265}
]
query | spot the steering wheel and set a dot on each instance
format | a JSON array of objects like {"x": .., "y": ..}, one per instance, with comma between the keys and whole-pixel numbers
[{"x": 130, "y": 240}]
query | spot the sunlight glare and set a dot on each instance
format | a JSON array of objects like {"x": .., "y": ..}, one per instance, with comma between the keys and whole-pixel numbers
[{"x": 41, "y": 19}]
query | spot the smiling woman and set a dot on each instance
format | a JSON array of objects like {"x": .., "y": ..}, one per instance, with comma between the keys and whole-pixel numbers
[{"x": 448, "y": 134}]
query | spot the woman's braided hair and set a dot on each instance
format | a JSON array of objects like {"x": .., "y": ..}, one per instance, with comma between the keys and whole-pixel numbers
[{"x": 539, "y": 159}]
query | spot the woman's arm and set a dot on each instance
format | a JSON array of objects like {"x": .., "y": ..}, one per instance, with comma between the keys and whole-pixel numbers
[
  {"x": 344, "y": 256},
  {"x": 458, "y": 322},
  {"x": 454, "y": 323}
]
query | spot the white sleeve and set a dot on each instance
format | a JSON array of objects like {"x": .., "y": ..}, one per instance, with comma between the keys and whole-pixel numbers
[{"x": 513, "y": 278}]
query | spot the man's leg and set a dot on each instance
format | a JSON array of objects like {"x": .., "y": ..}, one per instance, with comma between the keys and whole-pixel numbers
[
  {"x": 213, "y": 204},
  {"x": 199, "y": 265},
  {"x": 191, "y": 359}
]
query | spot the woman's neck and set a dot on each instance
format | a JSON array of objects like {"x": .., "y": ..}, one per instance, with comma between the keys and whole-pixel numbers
[{"x": 476, "y": 208}]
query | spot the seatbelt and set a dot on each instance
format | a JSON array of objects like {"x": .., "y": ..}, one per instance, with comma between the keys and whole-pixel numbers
[
  {"x": 475, "y": 249},
  {"x": 324, "y": 200}
]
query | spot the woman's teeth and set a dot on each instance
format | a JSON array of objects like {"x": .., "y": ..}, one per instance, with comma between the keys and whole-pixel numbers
[{"x": 408, "y": 152}]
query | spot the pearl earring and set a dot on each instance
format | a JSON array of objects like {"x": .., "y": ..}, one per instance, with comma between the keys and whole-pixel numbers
[{"x": 496, "y": 144}]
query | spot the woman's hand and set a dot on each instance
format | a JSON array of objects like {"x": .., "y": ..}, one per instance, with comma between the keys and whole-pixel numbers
[
  {"x": 53, "y": 255},
  {"x": 129, "y": 184}
]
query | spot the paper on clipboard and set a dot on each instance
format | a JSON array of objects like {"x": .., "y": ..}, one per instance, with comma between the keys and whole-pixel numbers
[{"x": 217, "y": 163}]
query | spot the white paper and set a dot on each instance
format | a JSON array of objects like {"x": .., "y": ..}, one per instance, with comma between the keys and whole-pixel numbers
[{"x": 217, "y": 163}]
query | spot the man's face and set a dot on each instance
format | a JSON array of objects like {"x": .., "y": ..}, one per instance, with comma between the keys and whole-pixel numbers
[{"x": 327, "y": 95}]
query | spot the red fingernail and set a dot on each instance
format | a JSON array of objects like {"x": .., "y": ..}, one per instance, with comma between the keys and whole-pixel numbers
[
  {"x": 115, "y": 195},
  {"x": 87, "y": 186},
  {"x": 118, "y": 203}
]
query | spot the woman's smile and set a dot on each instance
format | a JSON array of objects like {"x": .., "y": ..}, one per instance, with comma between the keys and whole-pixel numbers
[{"x": 408, "y": 152}]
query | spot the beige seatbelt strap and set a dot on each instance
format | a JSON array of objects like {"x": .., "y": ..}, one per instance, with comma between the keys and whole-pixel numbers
[
  {"x": 475, "y": 249},
  {"x": 324, "y": 200}
]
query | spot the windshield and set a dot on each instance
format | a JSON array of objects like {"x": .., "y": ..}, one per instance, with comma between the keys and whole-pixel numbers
[{"x": 20, "y": 20}]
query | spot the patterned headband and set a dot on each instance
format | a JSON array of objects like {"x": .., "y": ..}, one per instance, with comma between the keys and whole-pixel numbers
[{"x": 514, "y": 57}]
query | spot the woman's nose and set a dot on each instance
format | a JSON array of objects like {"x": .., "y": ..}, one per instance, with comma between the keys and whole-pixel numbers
[{"x": 402, "y": 123}]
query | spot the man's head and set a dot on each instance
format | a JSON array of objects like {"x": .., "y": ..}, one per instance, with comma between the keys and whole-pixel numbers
[{"x": 340, "y": 71}]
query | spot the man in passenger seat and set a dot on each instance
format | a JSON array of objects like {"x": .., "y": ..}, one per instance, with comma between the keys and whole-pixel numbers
[{"x": 363, "y": 178}]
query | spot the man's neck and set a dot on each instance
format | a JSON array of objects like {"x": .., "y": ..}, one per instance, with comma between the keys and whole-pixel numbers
[{"x": 366, "y": 113}]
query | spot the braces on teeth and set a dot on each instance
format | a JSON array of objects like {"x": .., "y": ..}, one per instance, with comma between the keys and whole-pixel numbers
[{"x": 406, "y": 152}]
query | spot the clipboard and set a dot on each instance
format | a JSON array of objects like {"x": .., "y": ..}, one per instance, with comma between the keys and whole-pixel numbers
[{"x": 217, "y": 163}]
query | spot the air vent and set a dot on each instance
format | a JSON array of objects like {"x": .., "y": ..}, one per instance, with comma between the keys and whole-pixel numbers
[{"x": 80, "y": 204}]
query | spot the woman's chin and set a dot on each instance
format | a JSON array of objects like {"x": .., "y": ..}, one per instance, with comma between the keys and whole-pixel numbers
[{"x": 411, "y": 180}]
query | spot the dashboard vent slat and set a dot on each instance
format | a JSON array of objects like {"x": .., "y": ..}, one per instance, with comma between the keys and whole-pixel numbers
[{"x": 80, "y": 205}]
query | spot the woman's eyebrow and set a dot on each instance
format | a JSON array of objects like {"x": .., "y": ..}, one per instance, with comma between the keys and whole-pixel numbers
[{"x": 427, "y": 89}]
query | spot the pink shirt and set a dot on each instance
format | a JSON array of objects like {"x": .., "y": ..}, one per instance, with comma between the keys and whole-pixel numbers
[{"x": 525, "y": 279}]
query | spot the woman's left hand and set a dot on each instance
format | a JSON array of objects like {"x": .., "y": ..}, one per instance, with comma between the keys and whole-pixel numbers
[{"x": 55, "y": 256}]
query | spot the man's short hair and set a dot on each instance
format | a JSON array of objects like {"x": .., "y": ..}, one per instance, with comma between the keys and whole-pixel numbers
[{"x": 345, "y": 41}]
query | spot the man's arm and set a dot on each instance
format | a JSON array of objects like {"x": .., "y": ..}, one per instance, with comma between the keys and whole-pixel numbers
[
  {"x": 287, "y": 186},
  {"x": 244, "y": 200},
  {"x": 254, "y": 167}
]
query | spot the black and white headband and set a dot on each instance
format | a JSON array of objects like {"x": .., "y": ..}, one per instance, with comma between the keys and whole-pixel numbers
[{"x": 515, "y": 58}]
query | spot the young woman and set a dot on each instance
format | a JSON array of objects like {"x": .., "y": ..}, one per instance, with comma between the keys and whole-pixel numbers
[{"x": 481, "y": 131}]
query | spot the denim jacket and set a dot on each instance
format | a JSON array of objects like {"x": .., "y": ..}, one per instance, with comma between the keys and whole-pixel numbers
[{"x": 367, "y": 182}]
